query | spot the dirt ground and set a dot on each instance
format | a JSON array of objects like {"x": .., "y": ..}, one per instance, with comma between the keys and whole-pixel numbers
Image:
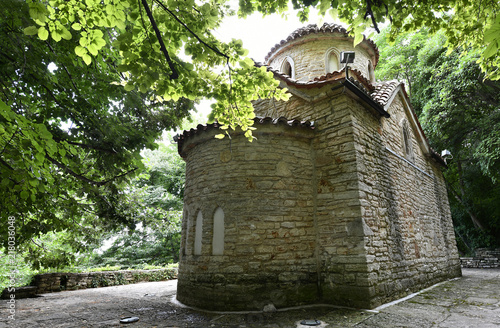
[{"x": 470, "y": 301}]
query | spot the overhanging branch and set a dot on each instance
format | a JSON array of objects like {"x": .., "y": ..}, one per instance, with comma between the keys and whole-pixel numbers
[
  {"x": 163, "y": 49},
  {"x": 83, "y": 178},
  {"x": 217, "y": 51}
]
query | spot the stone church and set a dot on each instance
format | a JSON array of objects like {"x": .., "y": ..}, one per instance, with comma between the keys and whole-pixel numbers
[{"x": 340, "y": 200}]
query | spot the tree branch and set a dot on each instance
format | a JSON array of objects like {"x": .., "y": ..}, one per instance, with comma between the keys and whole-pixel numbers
[
  {"x": 174, "y": 74},
  {"x": 369, "y": 11},
  {"x": 83, "y": 178},
  {"x": 8, "y": 142},
  {"x": 217, "y": 51},
  {"x": 86, "y": 146},
  {"x": 65, "y": 69},
  {"x": 6, "y": 164}
]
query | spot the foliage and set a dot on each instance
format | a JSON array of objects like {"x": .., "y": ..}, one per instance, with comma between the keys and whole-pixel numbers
[
  {"x": 460, "y": 111},
  {"x": 157, "y": 208},
  {"x": 105, "y": 268},
  {"x": 467, "y": 25},
  {"x": 86, "y": 85},
  {"x": 139, "y": 31},
  {"x": 66, "y": 151},
  {"x": 22, "y": 271}
]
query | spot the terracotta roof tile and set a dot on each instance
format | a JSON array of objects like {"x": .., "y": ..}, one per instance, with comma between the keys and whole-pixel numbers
[
  {"x": 257, "y": 120},
  {"x": 325, "y": 28},
  {"x": 318, "y": 82},
  {"x": 383, "y": 91}
]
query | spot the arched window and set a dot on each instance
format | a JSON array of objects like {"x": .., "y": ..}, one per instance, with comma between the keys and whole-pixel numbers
[
  {"x": 287, "y": 67},
  {"x": 407, "y": 142},
  {"x": 198, "y": 234},
  {"x": 185, "y": 223},
  {"x": 371, "y": 72},
  {"x": 187, "y": 241},
  {"x": 332, "y": 61},
  {"x": 218, "y": 236}
]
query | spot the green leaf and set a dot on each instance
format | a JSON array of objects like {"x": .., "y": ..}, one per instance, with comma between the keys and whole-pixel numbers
[
  {"x": 491, "y": 50},
  {"x": 80, "y": 51},
  {"x": 66, "y": 34},
  {"x": 129, "y": 86},
  {"x": 43, "y": 34},
  {"x": 31, "y": 30},
  {"x": 358, "y": 36},
  {"x": 24, "y": 194},
  {"x": 4, "y": 107},
  {"x": 93, "y": 49},
  {"x": 220, "y": 136},
  {"x": 87, "y": 59},
  {"x": 40, "y": 157},
  {"x": 43, "y": 131},
  {"x": 56, "y": 36}
]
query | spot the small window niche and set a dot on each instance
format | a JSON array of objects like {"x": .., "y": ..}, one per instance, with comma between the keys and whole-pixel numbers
[
  {"x": 332, "y": 63},
  {"x": 185, "y": 228},
  {"x": 187, "y": 241},
  {"x": 407, "y": 141},
  {"x": 198, "y": 234},
  {"x": 287, "y": 67},
  {"x": 218, "y": 235},
  {"x": 371, "y": 72}
]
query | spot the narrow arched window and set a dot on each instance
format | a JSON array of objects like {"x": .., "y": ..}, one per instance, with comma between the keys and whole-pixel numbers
[
  {"x": 287, "y": 67},
  {"x": 187, "y": 233},
  {"x": 371, "y": 72},
  {"x": 332, "y": 61},
  {"x": 198, "y": 234},
  {"x": 218, "y": 236},
  {"x": 407, "y": 142}
]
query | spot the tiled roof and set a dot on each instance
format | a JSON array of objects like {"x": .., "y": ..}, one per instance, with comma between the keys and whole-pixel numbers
[
  {"x": 257, "y": 120},
  {"x": 314, "y": 29},
  {"x": 381, "y": 92},
  {"x": 318, "y": 82},
  {"x": 384, "y": 90}
]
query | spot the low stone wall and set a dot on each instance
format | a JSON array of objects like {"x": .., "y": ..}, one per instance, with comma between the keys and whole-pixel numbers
[
  {"x": 54, "y": 282},
  {"x": 484, "y": 259}
]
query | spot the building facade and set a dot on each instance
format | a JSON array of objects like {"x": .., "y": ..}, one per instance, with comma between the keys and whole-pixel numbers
[{"x": 339, "y": 200}]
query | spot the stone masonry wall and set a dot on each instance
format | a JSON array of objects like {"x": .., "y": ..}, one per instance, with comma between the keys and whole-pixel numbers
[
  {"x": 55, "y": 282},
  {"x": 484, "y": 259},
  {"x": 409, "y": 239},
  {"x": 309, "y": 55},
  {"x": 264, "y": 189},
  {"x": 338, "y": 216}
]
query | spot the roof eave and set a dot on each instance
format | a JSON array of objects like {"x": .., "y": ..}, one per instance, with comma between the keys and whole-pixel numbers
[{"x": 366, "y": 98}]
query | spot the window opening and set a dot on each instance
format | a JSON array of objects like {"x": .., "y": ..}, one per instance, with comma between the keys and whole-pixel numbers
[
  {"x": 332, "y": 62},
  {"x": 407, "y": 143},
  {"x": 287, "y": 67},
  {"x": 218, "y": 235},
  {"x": 198, "y": 234},
  {"x": 371, "y": 72},
  {"x": 188, "y": 228}
]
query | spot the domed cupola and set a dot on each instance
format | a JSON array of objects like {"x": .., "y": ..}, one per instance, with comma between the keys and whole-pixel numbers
[{"x": 311, "y": 52}]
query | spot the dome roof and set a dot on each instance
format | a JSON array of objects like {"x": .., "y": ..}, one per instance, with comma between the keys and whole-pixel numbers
[{"x": 324, "y": 29}]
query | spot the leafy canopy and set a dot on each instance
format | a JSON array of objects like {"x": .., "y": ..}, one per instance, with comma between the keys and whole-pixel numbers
[
  {"x": 86, "y": 85},
  {"x": 70, "y": 140},
  {"x": 165, "y": 47},
  {"x": 468, "y": 25}
]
